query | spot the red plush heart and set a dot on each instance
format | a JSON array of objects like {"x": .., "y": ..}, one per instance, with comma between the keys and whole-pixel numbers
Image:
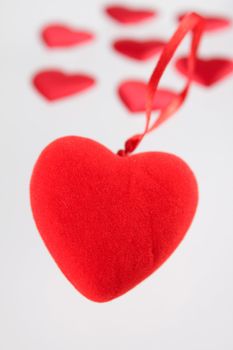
[
  {"x": 126, "y": 15},
  {"x": 211, "y": 23},
  {"x": 139, "y": 49},
  {"x": 207, "y": 71},
  {"x": 54, "y": 84},
  {"x": 110, "y": 221},
  {"x": 58, "y": 35},
  {"x": 133, "y": 94}
]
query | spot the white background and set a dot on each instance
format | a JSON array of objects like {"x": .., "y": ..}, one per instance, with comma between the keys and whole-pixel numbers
[{"x": 188, "y": 303}]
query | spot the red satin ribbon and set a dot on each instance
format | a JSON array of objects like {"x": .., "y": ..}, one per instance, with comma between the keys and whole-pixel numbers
[{"x": 191, "y": 22}]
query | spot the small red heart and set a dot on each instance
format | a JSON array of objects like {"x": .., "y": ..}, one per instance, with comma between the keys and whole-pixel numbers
[
  {"x": 207, "y": 71},
  {"x": 127, "y": 15},
  {"x": 141, "y": 50},
  {"x": 59, "y": 35},
  {"x": 133, "y": 94},
  {"x": 211, "y": 23},
  {"x": 110, "y": 221},
  {"x": 54, "y": 84}
]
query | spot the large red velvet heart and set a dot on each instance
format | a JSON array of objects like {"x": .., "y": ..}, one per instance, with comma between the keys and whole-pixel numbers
[
  {"x": 110, "y": 221},
  {"x": 133, "y": 94},
  {"x": 54, "y": 84},
  {"x": 139, "y": 49},
  {"x": 59, "y": 35},
  {"x": 207, "y": 71},
  {"x": 127, "y": 15},
  {"x": 211, "y": 23}
]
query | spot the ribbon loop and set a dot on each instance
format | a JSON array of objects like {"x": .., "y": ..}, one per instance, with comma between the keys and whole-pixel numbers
[{"x": 191, "y": 22}]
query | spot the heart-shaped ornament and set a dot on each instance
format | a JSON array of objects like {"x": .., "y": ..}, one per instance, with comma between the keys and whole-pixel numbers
[
  {"x": 129, "y": 15},
  {"x": 55, "y": 84},
  {"x": 133, "y": 95},
  {"x": 211, "y": 23},
  {"x": 140, "y": 50},
  {"x": 59, "y": 35},
  {"x": 110, "y": 221},
  {"x": 207, "y": 71}
]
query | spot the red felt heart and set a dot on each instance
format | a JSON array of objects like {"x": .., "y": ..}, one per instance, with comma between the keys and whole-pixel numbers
[
  {"x": 139, "y": 49},
  {"x": 54, "y": 84},
  {"x": 110, "y": 221},
  {"x": 58, "y": 35},
  {"x": 133, "y": 94},
  {"x": 207, "y": 71},
  {"x": 211, "y": 23},
  {"x": 127, "y": 15}
]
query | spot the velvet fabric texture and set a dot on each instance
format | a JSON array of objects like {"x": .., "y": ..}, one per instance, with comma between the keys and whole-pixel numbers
[
  {"x": 110, "y": 221},
  {"x": 55, "y": 84}
]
